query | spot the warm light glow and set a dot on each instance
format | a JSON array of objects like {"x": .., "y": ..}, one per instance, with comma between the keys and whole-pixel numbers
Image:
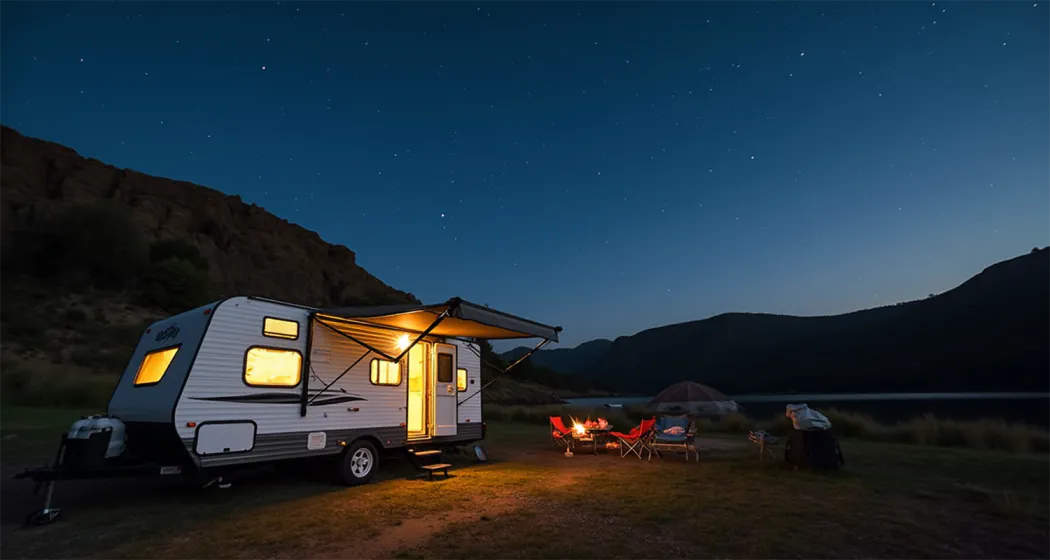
[
  {"x": 280, "y": 328},
  {"x": 416, "y": 390},
  {"x": 578, "y": 428},
  {"x": 403, "y": 342},
  {"x": 154, "y": 365},
  {"x": 385, "y": 373},
  {"x": 461, "y": 379},
  {"x": 272, "y": 367}
]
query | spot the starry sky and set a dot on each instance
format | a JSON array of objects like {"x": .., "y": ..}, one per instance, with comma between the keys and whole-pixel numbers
[{"x": 608, "y": 167}]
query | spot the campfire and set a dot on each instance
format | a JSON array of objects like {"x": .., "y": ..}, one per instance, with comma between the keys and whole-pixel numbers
[{"x": 582, "y": 428}]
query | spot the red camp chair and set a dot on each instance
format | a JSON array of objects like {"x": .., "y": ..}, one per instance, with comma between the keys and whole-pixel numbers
[
  {"x": 636, "y": 440},
  {"x": 560, "y": 435}
]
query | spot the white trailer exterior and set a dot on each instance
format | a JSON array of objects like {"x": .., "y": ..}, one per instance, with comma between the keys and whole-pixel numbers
[{"x": 249, "y": 380}]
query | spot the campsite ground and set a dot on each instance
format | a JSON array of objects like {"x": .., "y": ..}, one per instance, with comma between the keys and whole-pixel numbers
[{"x": 529, "y": 501}]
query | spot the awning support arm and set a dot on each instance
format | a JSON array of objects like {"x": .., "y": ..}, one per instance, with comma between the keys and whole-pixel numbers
[
  {"x": 526, "y": 356},
  {"x": 502, "y": 373},
  {"x": 423, "y": 334},
  {"x": 486, "y": 362},
  {"x": 340, "y": 376}
]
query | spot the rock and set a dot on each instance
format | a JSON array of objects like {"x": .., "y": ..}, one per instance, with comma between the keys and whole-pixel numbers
[{"x": 249, "y": 250}]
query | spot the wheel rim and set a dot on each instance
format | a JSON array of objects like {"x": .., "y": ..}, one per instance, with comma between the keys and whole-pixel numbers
[{"x": 361, "y": 462}]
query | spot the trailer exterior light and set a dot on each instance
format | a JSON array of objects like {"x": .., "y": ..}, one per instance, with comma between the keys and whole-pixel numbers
[{"x": 403, "y": 342}]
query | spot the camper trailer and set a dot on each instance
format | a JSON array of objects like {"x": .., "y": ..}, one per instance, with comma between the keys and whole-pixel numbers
[{"x": 250, "y": 380}]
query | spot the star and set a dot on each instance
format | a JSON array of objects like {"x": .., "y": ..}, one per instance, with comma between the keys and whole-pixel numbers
[{"x": 264, "y": 68}]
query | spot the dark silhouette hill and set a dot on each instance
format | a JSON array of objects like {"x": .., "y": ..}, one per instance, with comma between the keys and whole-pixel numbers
[
  {"x": 563, "y": 360},
  {"x": 242, "y": 248},
  {"x": 991, "y": 333},
  {"x": 91, "y": 254}
]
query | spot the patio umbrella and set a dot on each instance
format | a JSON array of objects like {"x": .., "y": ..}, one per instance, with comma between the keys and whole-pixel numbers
[{"x": 689, "y": 397}]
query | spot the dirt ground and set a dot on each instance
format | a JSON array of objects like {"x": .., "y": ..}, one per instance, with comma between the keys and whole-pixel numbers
[{"x": 530, "y": 501}]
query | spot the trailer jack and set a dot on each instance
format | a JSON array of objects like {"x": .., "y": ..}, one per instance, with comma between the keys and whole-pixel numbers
[
  {"x": 218, "y": 482},
  {"x": 48, "y": 514}
]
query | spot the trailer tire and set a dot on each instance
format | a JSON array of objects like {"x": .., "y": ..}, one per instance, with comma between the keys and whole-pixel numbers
[{"x": 358, "y": 463}]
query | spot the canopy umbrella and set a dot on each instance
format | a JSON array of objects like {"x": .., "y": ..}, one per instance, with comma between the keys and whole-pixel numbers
[{"x": 689, "y": 397}]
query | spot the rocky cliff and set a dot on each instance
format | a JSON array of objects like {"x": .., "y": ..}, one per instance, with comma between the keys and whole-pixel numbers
[{"x": 249, "y": 250}]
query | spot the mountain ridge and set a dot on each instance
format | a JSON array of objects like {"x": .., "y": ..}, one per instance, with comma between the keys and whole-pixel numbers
[
  {"x": 762, "y": 352},
  {"x": 248, "y": 249}
]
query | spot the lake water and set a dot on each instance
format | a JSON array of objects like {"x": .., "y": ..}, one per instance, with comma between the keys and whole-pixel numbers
[{"x": 1031, "y": 408}]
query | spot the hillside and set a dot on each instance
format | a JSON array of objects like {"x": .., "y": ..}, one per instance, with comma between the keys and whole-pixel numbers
[
  {"x": 91, "y": 254},
  {"x": 564, "y": 360},
  {"x": 991, "y": 333},
  {"x": 247, "y": 249}
]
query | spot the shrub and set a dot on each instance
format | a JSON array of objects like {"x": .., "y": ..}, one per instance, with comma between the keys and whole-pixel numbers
[
  {"x": 22, "y": 323},
  {"x": 75, "y": 315},
  {"x": 176, "y": 285},
  {"x": 41, "y": 384},
  {"x": 852, "y": 424},
  {"x": 176, "y": 248},
  {"x": 540, "y": 415},
  {"x": 98, "y": 245},
  {"x": 923, "y": 430},
  {"x": 101, "y": 360}
]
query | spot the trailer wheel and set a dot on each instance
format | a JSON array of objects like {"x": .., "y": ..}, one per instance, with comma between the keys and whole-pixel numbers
[{"x": 358, "y": 463}]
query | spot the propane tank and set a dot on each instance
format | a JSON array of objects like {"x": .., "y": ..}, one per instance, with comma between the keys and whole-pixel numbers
[{"x": 99, "y": 426}]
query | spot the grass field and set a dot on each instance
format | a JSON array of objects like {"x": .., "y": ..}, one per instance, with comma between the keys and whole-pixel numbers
[{"x": 529, "y": 501}]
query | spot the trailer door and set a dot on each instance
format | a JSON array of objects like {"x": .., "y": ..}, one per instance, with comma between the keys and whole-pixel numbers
[{"x": 445, "y": 390}]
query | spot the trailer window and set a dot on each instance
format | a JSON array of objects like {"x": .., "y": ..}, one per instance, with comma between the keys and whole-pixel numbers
[
  {"x": 385, "y": 373},
  {"x": 272, "y": 367},
  {"x": 153, "y": 366},
  {"x": 280, "y": 328},
  {"x": 461, "y": 379},
  {"x": 444, "y": 368}
]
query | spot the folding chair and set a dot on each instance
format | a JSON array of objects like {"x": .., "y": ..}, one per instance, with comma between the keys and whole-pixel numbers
[
  {"x": 635, "y": 441},
  {"x": 560, "y": 435},
  {"x": 673, "y": 433}
]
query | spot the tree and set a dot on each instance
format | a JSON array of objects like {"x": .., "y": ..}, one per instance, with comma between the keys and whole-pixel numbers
[
  {"x": 176, "y": 285},
  {"x": 177, "y": 279}
]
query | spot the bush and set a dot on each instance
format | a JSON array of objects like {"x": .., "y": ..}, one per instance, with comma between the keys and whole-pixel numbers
[
  {"x": 22, "y": 323},
  {"x": 41, "y": 384},
  {"x": 75, "y": 315},
  {"x": 176, "y": 285},
  {"x": 540, "y": 415},
  {"x": 176, "y": 248},
  {"x": 98, "y": 245},
  {"x": 924, "y": 430},
  {"x": 101, "y": 360}
]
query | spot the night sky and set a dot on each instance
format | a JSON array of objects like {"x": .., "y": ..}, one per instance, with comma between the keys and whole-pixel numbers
[{"x": 604, "y": 166}]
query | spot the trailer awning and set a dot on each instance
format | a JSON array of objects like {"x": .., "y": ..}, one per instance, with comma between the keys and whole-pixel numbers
[{"x": 462, "y": 319}]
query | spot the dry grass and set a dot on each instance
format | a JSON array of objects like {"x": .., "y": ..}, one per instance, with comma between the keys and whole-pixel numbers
[
  {"x": 926, "y": 430},
  {"x": 41, "y": 383},
  {"x": 892, "y": 500}
]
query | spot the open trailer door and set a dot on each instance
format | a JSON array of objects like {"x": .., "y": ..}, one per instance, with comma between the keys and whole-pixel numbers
[
  {"x": 455, "y": 318},
  {"x": 445, "y": 390}
]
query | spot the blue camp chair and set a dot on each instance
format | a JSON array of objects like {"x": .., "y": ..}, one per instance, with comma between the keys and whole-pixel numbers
[{"x": 674, "y": 433}]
